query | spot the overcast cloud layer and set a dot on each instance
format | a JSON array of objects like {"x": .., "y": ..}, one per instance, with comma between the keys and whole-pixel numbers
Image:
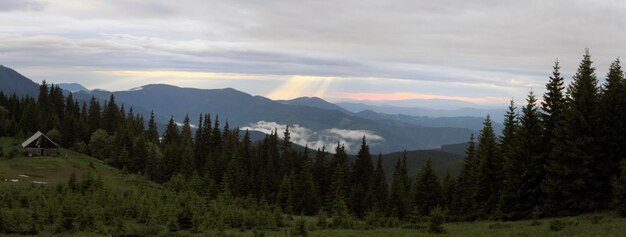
[{"x": 482, "y": 52}]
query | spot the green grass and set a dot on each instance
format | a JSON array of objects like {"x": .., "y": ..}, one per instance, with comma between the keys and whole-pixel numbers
[
  {"x": 49, "y": 170},
  {"x": 577, "y": 226},
  {"x": 588, "y": 225}
]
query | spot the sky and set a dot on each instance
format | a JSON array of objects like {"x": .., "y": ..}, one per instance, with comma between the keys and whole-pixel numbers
[{"x": 481, "y": 52}]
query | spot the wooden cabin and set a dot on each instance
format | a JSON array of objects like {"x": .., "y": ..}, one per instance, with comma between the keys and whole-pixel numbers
[{"x": 40, "y": 145}]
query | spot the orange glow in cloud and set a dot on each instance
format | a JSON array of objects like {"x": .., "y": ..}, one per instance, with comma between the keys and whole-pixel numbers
[{"x": 410, "y": 96}]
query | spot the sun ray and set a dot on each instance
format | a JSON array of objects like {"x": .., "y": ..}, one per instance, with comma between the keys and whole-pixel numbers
[{"x": 298, "y": 86}]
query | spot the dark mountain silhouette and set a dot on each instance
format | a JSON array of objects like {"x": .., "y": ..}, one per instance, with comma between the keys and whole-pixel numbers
[
  {"x": 496, "y": 114},
  {"x": 473, "y": 123},
  {"x": 72, "y": 87},
  {"x": 13, "y": 82},
  {"x": 314, "y": 102}
]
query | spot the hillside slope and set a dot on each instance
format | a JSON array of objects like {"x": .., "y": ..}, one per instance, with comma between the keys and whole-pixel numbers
[
  {"x": 12, "y": 82},
  {"x": 51, "y": 170},
  {"x": 442, "y": 162}
]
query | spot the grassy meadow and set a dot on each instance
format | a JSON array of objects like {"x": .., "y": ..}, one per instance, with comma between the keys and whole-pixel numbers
[
  {"x": 588, "y": 225},
  {"x": 44, "y": 170}
]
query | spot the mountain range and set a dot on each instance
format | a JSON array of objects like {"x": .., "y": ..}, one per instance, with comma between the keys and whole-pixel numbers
[
  {"x": 313, "y": 121},
  {"x": 497, "y": 114}
]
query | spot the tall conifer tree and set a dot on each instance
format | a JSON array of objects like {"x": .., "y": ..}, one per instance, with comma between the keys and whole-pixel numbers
[
  {"x": 426, "y": 190},
  {"x": 360, "y": 193},
  {"x": 612, "y": 124},
  {"x": 490, "y": 175},
  {"x": 571, "y": 185},
  {"x": 380, "y": 188},
  {"x": 399, "y": 196}
]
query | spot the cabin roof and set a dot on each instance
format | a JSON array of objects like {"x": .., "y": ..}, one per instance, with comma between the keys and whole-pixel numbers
[{"x": 35, "y": 136}]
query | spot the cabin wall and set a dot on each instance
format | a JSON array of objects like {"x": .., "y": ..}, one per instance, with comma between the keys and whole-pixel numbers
[{"x": 34, "y": 151}]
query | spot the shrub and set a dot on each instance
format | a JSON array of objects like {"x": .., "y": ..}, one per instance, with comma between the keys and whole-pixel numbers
[
  {"x": 299, "y": 228},
  {"x": 322, "y": 223},
  {"x": 12, "y": 153},
  {"x": 435, "y": 220},
  {"x": 257, "y": 233},
  {"x": 81, "y": 147},
  {"x": 535, "y": 222},
  {"x": 619, "y": 191},
  {"x": 372, "y": 219},
  {"x": 595, "y": 219},
  {"x": 18, "y": 221},
  {"x": 557, "y": 225}
]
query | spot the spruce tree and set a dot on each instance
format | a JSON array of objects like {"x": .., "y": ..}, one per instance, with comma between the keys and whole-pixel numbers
[
  {"x": 612, "y": 124},
  {"x": 152, "y": 133},
  {"x": 246, "y": 153},
  {"x": 171, "y": 149},
  {"x": 572, "y": 185},
  {"x": 186, "y": 147},
  {"x": 94, "y": 119},
  {"x": 553, "y": 105},
  {"x": 449, "y": 191},
  {"x": 339, "y": 180},
  {"x": 285, "y": 195},
  {"x": 42, "y": 99},
  {"x": 171, "y": 133},
  {"x": 306, "y": 197},
  {"x": 513, "y": 166},
  {"x": 399, "y": 196},
  {"x": 380, "y": 188},
  {"x": 490, "y": 175},
  {"x": 426, "y": 190},
  {"x": 467, "y": 182},
  {"x": 524, "y": 167},
  {"x": 286, "y": 143},
  {"x": 321, "y": 172},
  {"x": 532, "y": 152},
  {"x": 111, "y": 116},
  {"x": 360, "y": 193}
]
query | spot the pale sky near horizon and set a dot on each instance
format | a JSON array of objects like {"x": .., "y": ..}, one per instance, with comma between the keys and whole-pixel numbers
[{"x": 483, "y": 52}]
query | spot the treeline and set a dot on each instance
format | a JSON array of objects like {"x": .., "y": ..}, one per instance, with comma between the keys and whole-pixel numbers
[{"x": 561, "y": 157}]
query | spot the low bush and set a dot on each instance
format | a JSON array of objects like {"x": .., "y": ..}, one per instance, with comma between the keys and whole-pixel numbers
[
  {"x": 435, "y": 221},
  {"x": 557, "y": 225}
]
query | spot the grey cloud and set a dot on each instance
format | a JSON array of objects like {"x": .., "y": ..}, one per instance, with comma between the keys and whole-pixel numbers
[
  {"x": 13, "y": 5},
  {"x": 507, "y": 44},
  {"x": 123, "y": 51}
]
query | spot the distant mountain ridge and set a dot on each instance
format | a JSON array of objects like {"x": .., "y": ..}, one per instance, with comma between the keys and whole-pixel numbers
[
  {"x": 13, "y": 82},
  {"x": 496, "y": 114},
  {"x": 72, "y": 87},
  {"x": 240, "y": 109},
  {"x": 474, "y": 123},
  {"x": 315, "y": 102}
]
